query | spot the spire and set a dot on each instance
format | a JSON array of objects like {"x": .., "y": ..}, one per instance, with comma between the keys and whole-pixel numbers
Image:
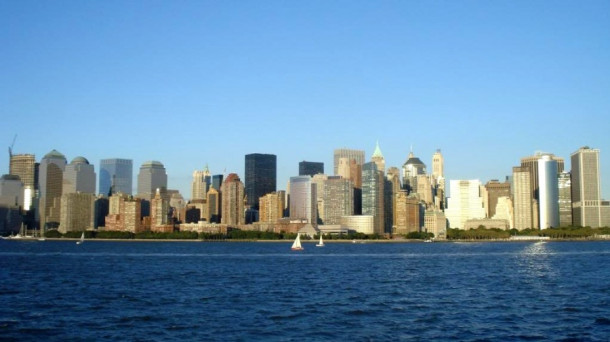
[{"x": 377, "y": 152}]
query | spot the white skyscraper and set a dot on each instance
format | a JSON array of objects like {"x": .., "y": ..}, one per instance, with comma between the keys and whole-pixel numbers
[
  {"x": 548, "y": 193},
  {"x": 303, "y": 199},
  {"x": 465, "y": 202}
]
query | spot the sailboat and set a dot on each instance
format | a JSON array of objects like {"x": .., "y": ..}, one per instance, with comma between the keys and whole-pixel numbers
[
  {"x": 321, "y": 243},
  {"x": 296, "y": 245},
  {"x": 82, "y": 239}
]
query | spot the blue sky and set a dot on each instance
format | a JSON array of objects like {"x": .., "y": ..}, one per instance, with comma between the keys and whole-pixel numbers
[{"x": 195, "y": 82}]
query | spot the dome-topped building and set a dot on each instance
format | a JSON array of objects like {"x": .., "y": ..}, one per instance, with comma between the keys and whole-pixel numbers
[
  {"x": 412, "y": 168},
  {"x": 79, "y": 176},
  {"x": 79, "y": 160}
]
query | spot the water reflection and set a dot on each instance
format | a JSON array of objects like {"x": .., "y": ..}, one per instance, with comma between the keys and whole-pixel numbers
[{"x": 535, "y": 261}]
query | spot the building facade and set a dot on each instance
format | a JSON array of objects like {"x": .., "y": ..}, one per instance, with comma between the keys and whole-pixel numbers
[
  {"x": 77, "y": 212},
  {"x": 522, "y": 198},
  {"x": 261, "y": 176},
  {"x": 271, "y": 207},
  {"x": 51, "y": 173},
  {"x": 586, "y": 188},
  {"x": 152, "y": 176},
  {"x": 338, "y": 199},
  {"x": 79, "y": 176},
  {"x": 564, "y": 184},
  {"x": 465, "y": 202},
  {"x": 495, "y": 190},
  {"x": 373, "y": 183},
  {"x": 307, "y": 168},
  {"x": 303, "y": 199},
  {"x": 548, "y": 193},
  {"x": 356, "y": 155},
  {"x": 233, "y": 195},
  {"x": 202, "y": 180},
  {"x": 116, "y": 175},
  {"x": 407, "y": 215}
]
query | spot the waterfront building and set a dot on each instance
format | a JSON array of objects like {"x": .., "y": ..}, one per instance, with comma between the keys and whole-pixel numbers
[
  {"x": 522, "y": 198},
  {"x": 410, "y": 170},
  {"x": 152, "y": 176},
  {"x": 531, "y": 163},
  {"x": 307, "y": 168},
  {"x": 79, "y": 176},
  {"x": 261, "y": 176},
  {"x": 564, "y": 184},
  {"x": 587, "y": 208},
  {"x": 202, "y": 181},
  {"x": 124, "y": 214},
  {"x": 271, "y": 207},
  {"x": 435, "y": 222},
  {"x": 233, "y": 196},
  {"x": 495, "y": 190},
  {"x": 116, "y": 175},
  {"x": 303, "y": 199},
  {"x": 548, "y": 193},
  {"x": 407, "y": 217},
  {"x": 504, "y": 210},
  {"x": 77, "y": 212},
  {"x": 51, "y": 172},
  {"x": 373, "y": 183},
  {"x": 359, "y": 223},
  {"x": 356, "y": 155},
  {"x": 486, "y": 223},
  {"x": 11, "y": 192},
  {"x": 337, "y": 199},
  {"x": 465, "y": 202}
]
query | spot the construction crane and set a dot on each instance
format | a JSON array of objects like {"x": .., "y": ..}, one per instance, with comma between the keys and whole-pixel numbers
[{"x": 10, "y": 148}]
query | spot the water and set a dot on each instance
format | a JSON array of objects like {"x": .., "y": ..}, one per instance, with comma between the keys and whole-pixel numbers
[{"x": 160, "y": 291}]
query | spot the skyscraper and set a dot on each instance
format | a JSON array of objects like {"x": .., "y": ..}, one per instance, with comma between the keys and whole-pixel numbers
[
  {"x": 271, "y": 207},
  {"x": 261, "y": 173},
  {"x": 495, "y": 190},
  {"x": 201, "y": 183},
  {"x": 79, "y": 176},
  {"x": 522, "y": 198},
  {"x": 233, "y": 201},
  {"x": 587, "y": 208},
  {"x": 151, "y": 177},
  {"x": 50, "y": 182},
  {"x": 410, "y": 170},
  {"x": 378, "y": 159},
  {"x": 307, "y": 168},
  {"x": 77, "y": 211},
  {"x": 23, "y": 165},
  {"x": 565, "y": 199},
  {"x": 548, "y": 192},
  {"x": 356, "y": 155},
  {"x": 465, "y": 202},
  {"x": 373, "y": 183},
  {"x": 531, "y": 163},
  {"x": 438, "y": 165},
  {"x": 338, "y": 199},
  {"x": 116, "y": 173},
  {"x": 303, "y": 199}
]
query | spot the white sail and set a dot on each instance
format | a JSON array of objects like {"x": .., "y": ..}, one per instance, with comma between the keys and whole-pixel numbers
[
  {"x": 82, "y": 239},
  {"x": 296, "y": 245},
  {"x": 321, "y": 243}
]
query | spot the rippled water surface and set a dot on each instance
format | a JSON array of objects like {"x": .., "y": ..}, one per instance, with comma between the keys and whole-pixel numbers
[{"x": 164, "y": 291}]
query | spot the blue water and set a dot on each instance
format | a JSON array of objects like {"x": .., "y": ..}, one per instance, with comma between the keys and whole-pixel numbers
[{"x": 160, "y": 291}]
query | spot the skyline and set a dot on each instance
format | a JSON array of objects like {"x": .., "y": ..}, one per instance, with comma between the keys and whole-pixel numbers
[{"x": 192, "y": 83}]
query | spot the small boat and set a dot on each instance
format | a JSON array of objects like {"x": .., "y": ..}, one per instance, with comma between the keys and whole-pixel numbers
[
  {"x": 296, "y": 245},
  {"x": 321, "y": 243},
  {"x": 428, "y": 240},
  {"x": 82, "y": 239},
  {"x": 42, "y": 239}
]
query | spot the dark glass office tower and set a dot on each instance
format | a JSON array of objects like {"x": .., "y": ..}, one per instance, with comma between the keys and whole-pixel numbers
[
  {"x": 261, "y": 170},
  {"x": 310, "y": 168},
  {"x": 217, "y": 181}
]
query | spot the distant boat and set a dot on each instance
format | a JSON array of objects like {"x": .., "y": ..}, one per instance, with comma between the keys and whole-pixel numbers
[
  {"x": 296, "y": 245},
  {"x": 321, "y": 243},
  {"x": 428, "y": 240},
  {"x": 82, "y": 239},
  {"x": 42, "y": 239}
]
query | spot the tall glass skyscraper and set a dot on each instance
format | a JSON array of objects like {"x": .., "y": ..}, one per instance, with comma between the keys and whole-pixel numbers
[
  {"x": 116, "y": 173},
  {"x": 548, "y": 192},
  {"x": 261, "y": 176}
]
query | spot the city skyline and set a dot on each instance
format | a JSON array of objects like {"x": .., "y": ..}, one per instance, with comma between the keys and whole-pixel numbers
[{"x": 487, "y": 83}]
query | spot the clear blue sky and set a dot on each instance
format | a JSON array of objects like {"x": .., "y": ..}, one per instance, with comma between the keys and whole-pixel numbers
[{"x": 195, "y": 82}]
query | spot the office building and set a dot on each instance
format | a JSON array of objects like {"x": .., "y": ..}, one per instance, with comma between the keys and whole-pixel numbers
[
  {"x": 465, "y": 202},
  {"x": 587, "y": 208},
  {"x": 271, "y": 207},
  {"x": 151, "y": 177},
  {"x": 504, "y": 210},
  {"x": 261, "y": 177},
  {"x": 337, "y": 199},
  {"x": 356, "y": 155},
  {"x": 364, "y": 224},
  {"x": 217, "y": 181},
  {"x": 77, "y": 212},
  {"x": 531, "y": 163},
  {"x": 24, "y": 166},
  {"x": 159, "y": 213},
  {"x": 378, "y": 159},
  {"x": 125, "y": 214},
  {"x": 373, "y": 183},
  {"x": 548, "y": 193},
  {"x": 307, "y": 168},
  {"x": 51, "y": 173},
  {"x": 233, "y": 193},
  {"x": 116, "y": 175},
  {"x": 202, "y": 181},
  {"x": 79, "y": 176},
  {"x": 407, "y": 217},
  {"x": 213, "y": 206},
  {"x": 495, "y": 190},
  {"x": 436, "y": 223},
  {"x": 522, "y": 198},
  {"x": 564, "y": 184},
  {"x": 303, "y": 199},
  {"x": 319, "y": 181},
  {"x": 412, "y": 168}
]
